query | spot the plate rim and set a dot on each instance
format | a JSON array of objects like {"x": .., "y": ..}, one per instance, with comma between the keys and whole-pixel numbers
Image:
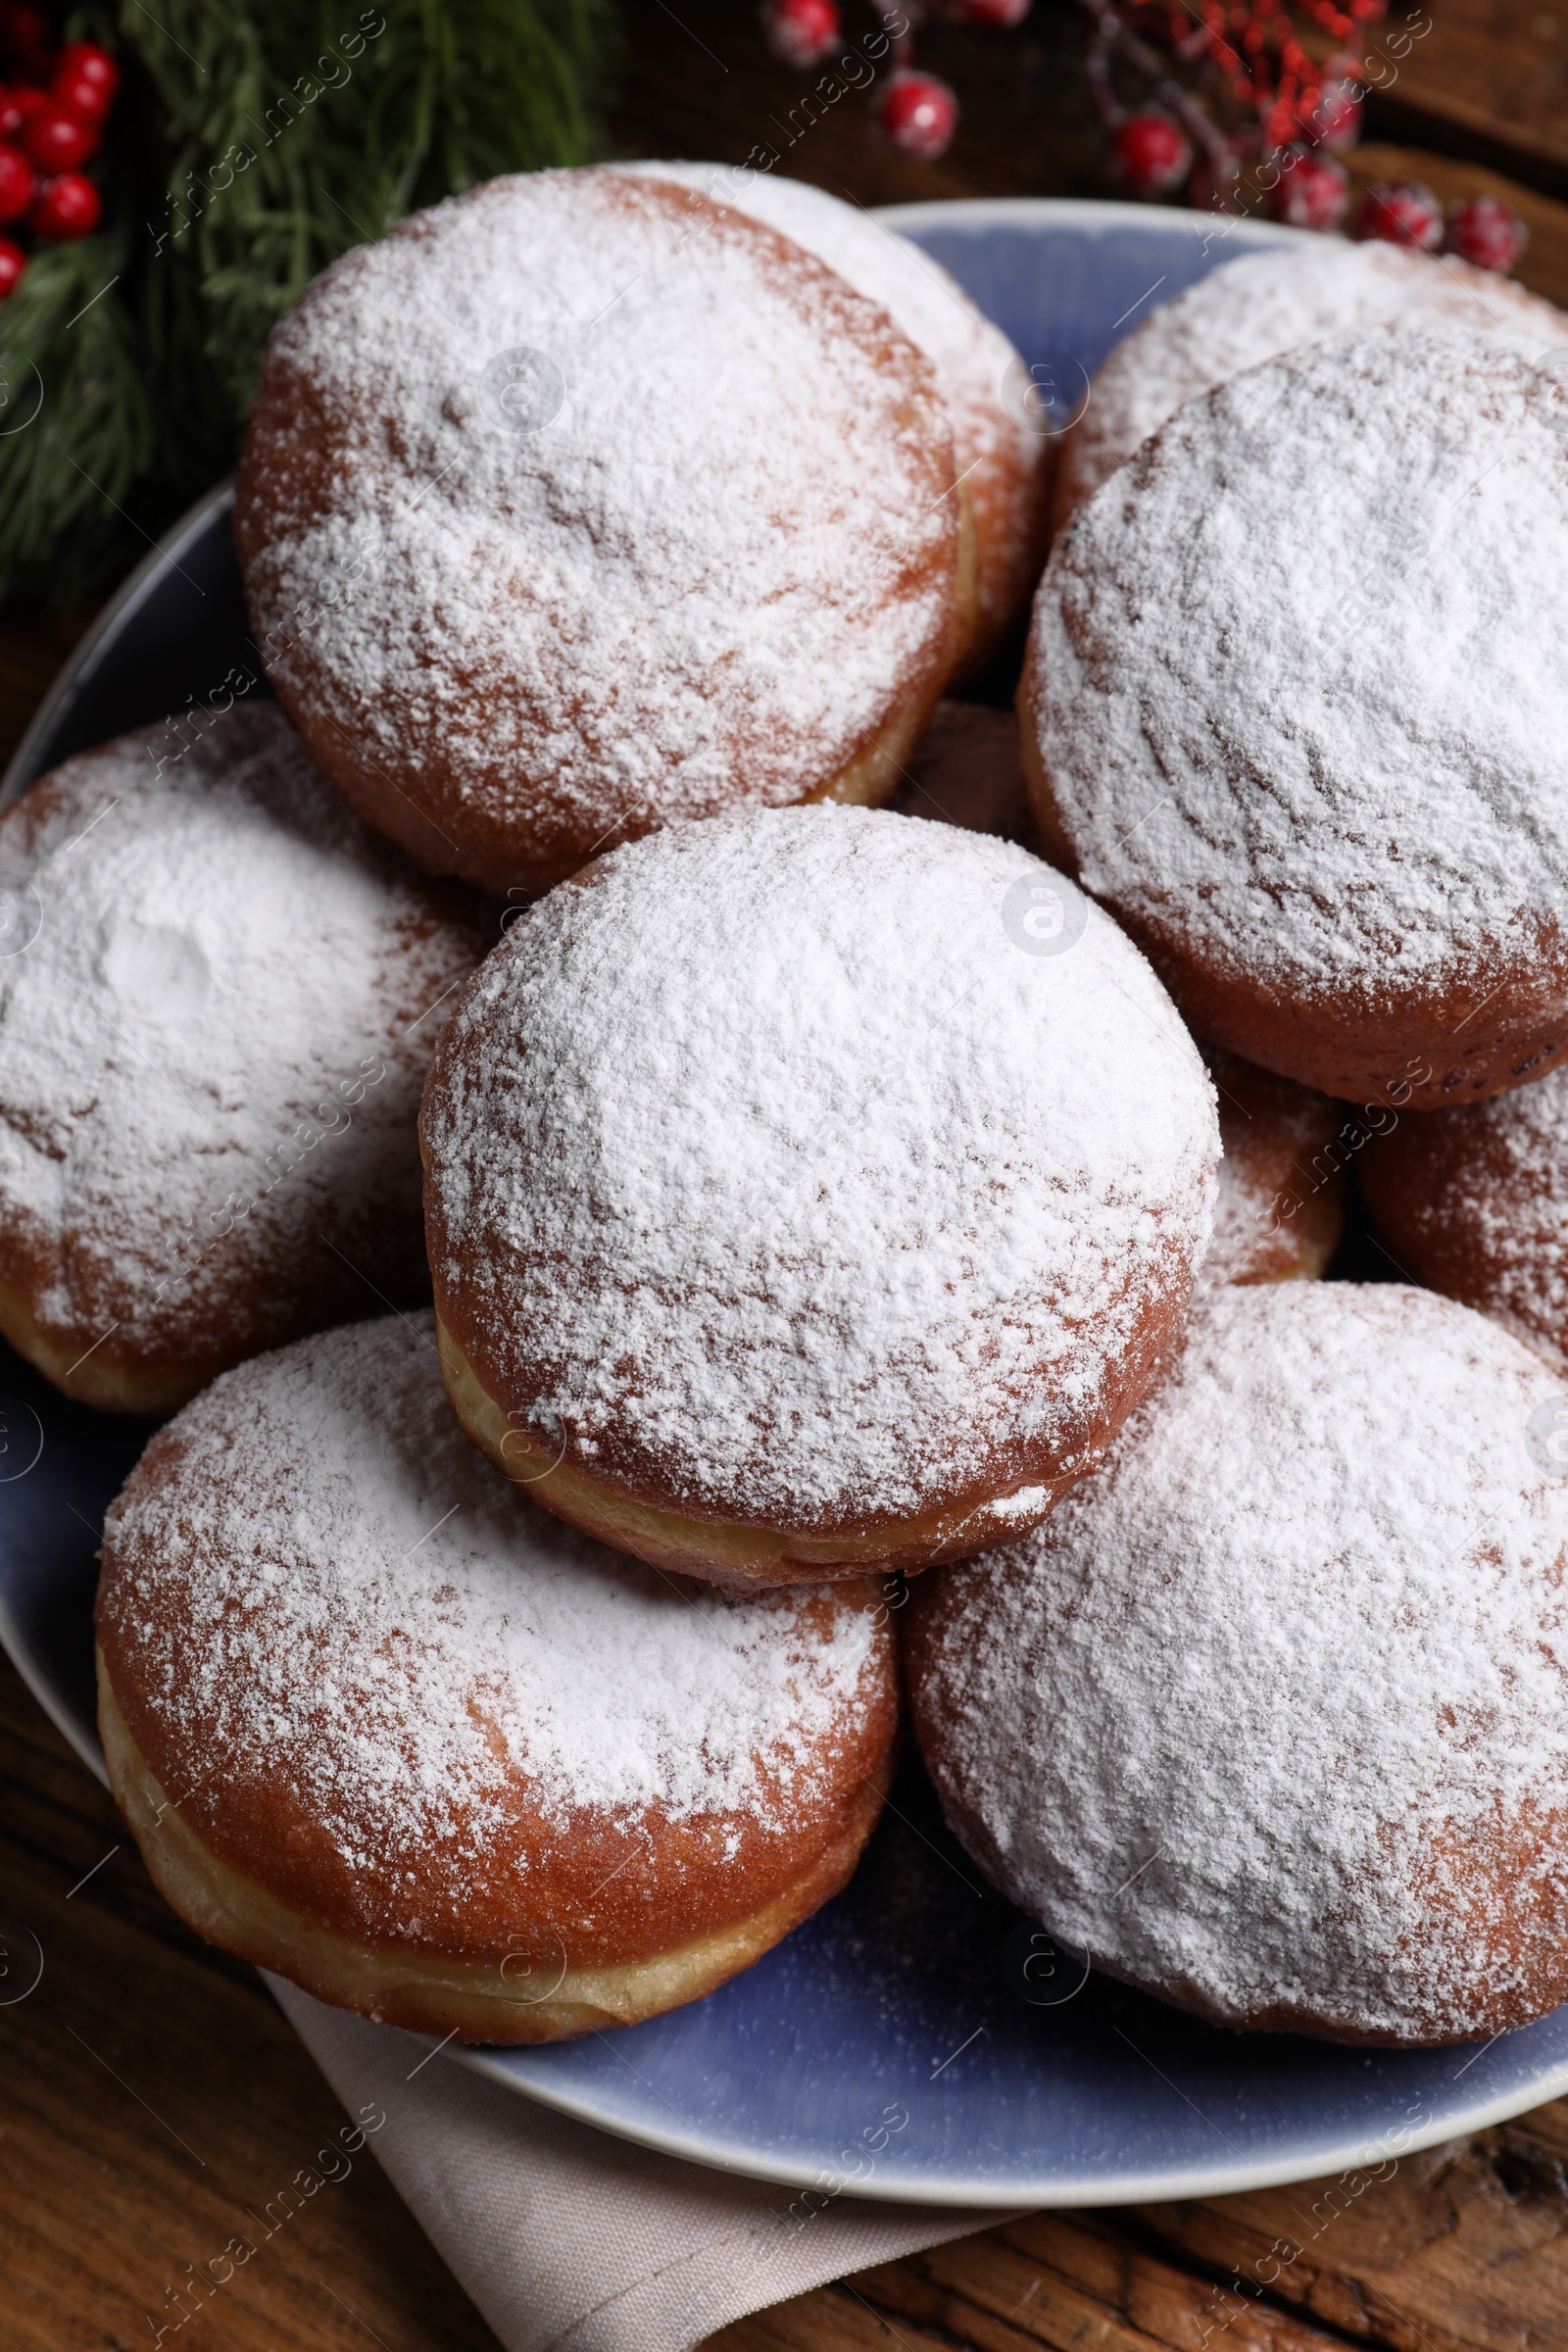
[
  {"x": 1105, "y": 212},
  {"x": 82, "y": 658},
  {"x": 1172, "y": 2186},
  {"x": 959, "y": 2191},
  {"x": 19, "y": 1652}
]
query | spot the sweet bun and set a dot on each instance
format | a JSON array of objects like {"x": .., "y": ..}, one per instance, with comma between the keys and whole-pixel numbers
[
  {"x": 1001, "y": 464},
  {"x": 1268, "y": 303},
  {"x": 218, "y": 997},
  {"x": 1474, "y": 1202},
  {"x": 811, "y": 1193},
  {"x": 1267, "y": 1717},
  {"x": 1279, "y": 1213},
  {"x": 379, "y": 1725},
  {"x": 578, "y": 506},
  {"x": 964, "y": 772},
  {"x": 1293, "y": 709}
]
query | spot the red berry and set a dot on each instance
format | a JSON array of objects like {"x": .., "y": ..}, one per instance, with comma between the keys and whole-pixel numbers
[
  {"x": 1482, "y": 230},
  {"x": 84, "y": 60},
  {"x": 919, "y": 114},
  {"x": 84, "y": 100},
  {"x": 1150, "y": 152},
  {"x": 17, "y": 182},
  {"x": 17, "y": 106},
  {"x": 1400, "y": 212},
  {"x": 56, "y": 141},
  {"x": 12, "y": 262},
  {"x": 998, "y": 15},
  {"x": 1313, "y": 191},
  {"x": 66, "y": 207},
  {"x": 801, "y": 32}
]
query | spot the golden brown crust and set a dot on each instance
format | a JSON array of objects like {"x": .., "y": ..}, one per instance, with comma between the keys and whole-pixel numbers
[
  {"x": 1010, "y": 501},
  {"x": 376, "y": 1686},
  {"x": 1465, "y": 1211},
  {"x": 731, "y": 1553},
  {"x": 146, "y": 1383},
  {"x": 490, "y": 856},
  {"x": 537, "y": 1988},
  {"x": 1282, "y": 1181},
  {"x": 152, "y": 1380},
  {"x": 173, "y": 1202},
  {"x": 619, "y": 1887},
  {"x": 454, "y": 818},
  {"x": 1490, "y": 1888},
  {"x": 525, "y": 1236},
  {"x": 1426, "y": 1046}
]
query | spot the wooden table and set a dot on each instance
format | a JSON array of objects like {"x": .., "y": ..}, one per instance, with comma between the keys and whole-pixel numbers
[{"x": 151, "y": 2089}]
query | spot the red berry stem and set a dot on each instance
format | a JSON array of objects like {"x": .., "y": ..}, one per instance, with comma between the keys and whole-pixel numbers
[{"x": 1112, "y": 35}]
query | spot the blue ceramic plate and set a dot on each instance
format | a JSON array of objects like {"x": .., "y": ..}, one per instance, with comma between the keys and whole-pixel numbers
[{"x": 918, "y": 2038}]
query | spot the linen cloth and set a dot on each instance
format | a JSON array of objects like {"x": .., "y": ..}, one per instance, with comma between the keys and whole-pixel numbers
[{"x": 570, "y": 2241}]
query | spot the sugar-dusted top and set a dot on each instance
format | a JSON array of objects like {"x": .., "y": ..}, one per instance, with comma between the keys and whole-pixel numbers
[
  {"x": 218, "y": 996},
  {"x": 1253, "y": 309},
  {"x": 598, "y": 506},
  {"x": 1295, "y": 672},
  {"x": 814, "y": 1168},
  {"x": 993, "y": 448},
  {"x": 1270, "y": 1713},
  {"x": 313, "y": 1581}
]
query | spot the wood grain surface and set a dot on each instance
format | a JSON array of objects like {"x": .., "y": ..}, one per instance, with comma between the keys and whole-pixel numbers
[{"x": 149, "y": 2089}]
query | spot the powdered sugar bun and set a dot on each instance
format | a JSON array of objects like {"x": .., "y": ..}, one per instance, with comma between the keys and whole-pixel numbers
[
  {"x": 380, "y": 1724},
  {"x": 1002, "y": 464},
  {"x": 218, "y": 997},
  {"x": 1474, "y": 1202},
  {"x": 811, "y": 1192},
  {"x": 1269, "y": 1717},
  {"x": 575, "y": 507},
  {"x": 965, "y": 771},
  {"x": 1280, "y": 1211},
  {"x": 1294, "y": 709},
  {"x": 1268, "y": 303}
]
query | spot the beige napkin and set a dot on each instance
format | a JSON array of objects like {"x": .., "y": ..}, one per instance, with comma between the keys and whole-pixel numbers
[{"x": 569, "y": 2240}]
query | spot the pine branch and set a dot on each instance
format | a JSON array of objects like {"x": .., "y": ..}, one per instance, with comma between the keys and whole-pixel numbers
[
  {"x": 79, "y": 432},
  {"x": 295, "y": 133},
  {"x": 251, "y": 145}
]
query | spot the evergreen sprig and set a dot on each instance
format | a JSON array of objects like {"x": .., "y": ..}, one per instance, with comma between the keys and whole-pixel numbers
[{"x": 252, "y": 144}]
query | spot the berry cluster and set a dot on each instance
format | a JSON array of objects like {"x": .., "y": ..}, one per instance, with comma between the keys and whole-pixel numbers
[
  {"x": 1480, "y": 229},
  {"x": 916, "y": 113},
  {"x": 54, "y": 104},
  {"x": 1193, "y": 94}
]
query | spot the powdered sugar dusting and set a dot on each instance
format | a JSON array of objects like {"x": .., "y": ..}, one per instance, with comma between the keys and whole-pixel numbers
[
  {"x": 780, "y": 1166},
  {"x": 1500, "y": 1208},
  {"x": 214, "y": 1026},
  {"x": 1295, "y": 669},
  {"x": 992, "y": 450},
  {"x": 1253, "y": 309},
  {"x": 348, "y": 1600},
  {"x": 1258, "y": 1715},
  {"x": 705, "y": 576}
]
